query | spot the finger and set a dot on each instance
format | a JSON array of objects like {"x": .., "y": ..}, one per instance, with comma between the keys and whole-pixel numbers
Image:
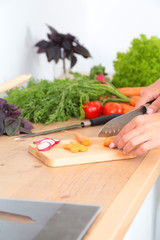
[
  {"x": 144, "y": 99},
  {"x": 154, "y": 107},
  {"x": 131, "y": 139},
  {"x": 135, "y": 142},
  {"x": 146, "y": 146},
  {"x": 131, "y": 125}
]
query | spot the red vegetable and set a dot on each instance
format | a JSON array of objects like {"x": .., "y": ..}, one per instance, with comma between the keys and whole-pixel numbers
[
  {"x": 56, "y": 141},
  {"x": 50, "y": 140},
  {"x": 92, "y": 109},
  {"x": 44, "y": 146},
  {"x": 101, "y": 78},
  {"x": 111, "y": 108},
  {"x": 39, "y": 140}
]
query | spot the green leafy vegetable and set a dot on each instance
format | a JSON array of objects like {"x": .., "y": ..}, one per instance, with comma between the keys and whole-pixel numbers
[
  {"x": 140, "y": 65},
  {"x": 46, "y": 102},
  {"x": 96, "y": 70}
]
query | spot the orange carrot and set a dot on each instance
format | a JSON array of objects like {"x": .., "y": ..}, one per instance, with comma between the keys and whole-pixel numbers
[
  {"x": 133, "y": 100},
  {"x": 107, "y": 141},
  {"x": 82, "y": 139},
  {"x": 82, "y": 148},
  {"x": 75, "y": 147},
  {"x": 126, "y": 107},
  {"x": 131, "y": 91}
]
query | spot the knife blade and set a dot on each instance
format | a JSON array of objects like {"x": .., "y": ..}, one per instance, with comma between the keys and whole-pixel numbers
[
  {"x": 91, "y": 122},
  {"x": 113, "y": 127}
]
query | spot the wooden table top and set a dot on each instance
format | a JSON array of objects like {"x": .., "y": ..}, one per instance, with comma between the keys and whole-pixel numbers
[{"x": 120, "y": 187}]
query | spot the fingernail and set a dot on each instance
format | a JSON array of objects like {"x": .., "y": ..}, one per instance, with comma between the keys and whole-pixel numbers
[
  {"x": 112, "y": 145},
  {"x": 150, "y": 111}
]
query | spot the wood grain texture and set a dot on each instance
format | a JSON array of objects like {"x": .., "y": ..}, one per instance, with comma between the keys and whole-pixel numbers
[
  {"x": 58, "y": 156},
  {"x": 120, "y": 187},
  {"x": 14, "y": 82}
]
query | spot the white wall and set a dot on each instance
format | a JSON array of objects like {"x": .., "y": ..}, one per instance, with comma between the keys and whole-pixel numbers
[{"x": 103, "y": 26}]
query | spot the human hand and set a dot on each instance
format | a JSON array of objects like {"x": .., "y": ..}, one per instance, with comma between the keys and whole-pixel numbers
[
  {"x": 140, "y": 135},
  {"x": 151, "y": 93}
]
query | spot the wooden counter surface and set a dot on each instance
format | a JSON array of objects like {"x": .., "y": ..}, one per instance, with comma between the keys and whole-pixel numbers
[{"x": 120, "y": 187}]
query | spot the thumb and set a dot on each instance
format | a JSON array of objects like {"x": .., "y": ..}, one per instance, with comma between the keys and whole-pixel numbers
[
  {"x": 142, "y": 101},
  {"x": 154, "y": 107}
]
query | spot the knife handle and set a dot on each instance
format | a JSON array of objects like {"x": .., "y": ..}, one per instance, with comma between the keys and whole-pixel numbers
[{"x": 103, "y": 119}]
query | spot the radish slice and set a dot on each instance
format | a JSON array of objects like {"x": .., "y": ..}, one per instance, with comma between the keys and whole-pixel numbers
[
  {"x": 57, "y": 141},
  {"x": 50, "y": 140},
  {"x": 44, "y": 146},
  {"x": 39, "y": 140}
]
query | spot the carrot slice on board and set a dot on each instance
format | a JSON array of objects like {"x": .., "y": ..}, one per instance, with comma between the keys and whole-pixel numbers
[
  {"x": 107, "y": 141},
  {"x": 81, "y": 139}
]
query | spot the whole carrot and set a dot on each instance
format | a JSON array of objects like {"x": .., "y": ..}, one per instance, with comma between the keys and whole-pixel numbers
[
  {"x": 131, "y": 91},
  {"x": 133, "y": 100},
  {"x": 127, "y": 107}
]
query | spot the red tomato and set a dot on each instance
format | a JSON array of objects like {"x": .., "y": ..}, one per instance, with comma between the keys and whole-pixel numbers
[
  {"x": 111, "y": 108},
  {"x": 92, "y": 109}
]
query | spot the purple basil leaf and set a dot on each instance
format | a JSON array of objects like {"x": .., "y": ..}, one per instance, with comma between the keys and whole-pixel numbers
[
  {"x": 67, "y": 45},
  {"x": 26, "y": 124},
  {"x": 55, "y": 39},
  {"x": 79, "y": 49},
  {"x": 11, "y": 107},
  {"x": 53, "y": 31},
  {"x": 15, "y": 114},
  {"x": 71, "y": 38},
  {"x": 11, "y": 125},
  {"x": 3, "y": 103},
  {"x": 53, "y": 52},
  {"x": 73, "y": 60},
  {"x": 42, "y": 44},
  {"x": 24, "y": 130},
  {"x": 2, "y": 117}
]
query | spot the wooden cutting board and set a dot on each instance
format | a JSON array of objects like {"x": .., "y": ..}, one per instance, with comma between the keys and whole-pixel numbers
[{"x": 57, "y": 156}]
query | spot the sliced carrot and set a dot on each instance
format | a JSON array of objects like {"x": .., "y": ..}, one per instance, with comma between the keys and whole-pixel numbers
[
  {"x": 126, "y": 107},
  {"x": 131, "y": 91},
  {"x": 67, "y": 146},
  {"x": 82, "y": 148},
  {"x": 133, "y": 100},
  {"x": 81, "y": 139},
  {"x": 75, "y": 147},
  {"x": 107, "y": 141}
]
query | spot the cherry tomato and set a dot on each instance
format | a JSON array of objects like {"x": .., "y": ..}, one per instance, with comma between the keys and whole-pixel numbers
[
  {"x": 92, "y": 109},
  {"x": 111, "y": 108}
]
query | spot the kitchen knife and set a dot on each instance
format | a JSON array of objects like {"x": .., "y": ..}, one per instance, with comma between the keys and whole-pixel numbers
[
  {"x": 52, "y": 220},
  {"x": 91, "y": 122},
  {"x": 113, "y": 127},
  {"x": 8, "y": 216}
]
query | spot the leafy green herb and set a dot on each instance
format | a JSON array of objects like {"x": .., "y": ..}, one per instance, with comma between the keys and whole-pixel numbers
[
  {"x": 46, "y": 102},
  {"x": 140, "y": 65}
]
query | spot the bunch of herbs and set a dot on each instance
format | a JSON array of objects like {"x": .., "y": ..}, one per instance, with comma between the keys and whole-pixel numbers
[{"x": 47, "y": 102}]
